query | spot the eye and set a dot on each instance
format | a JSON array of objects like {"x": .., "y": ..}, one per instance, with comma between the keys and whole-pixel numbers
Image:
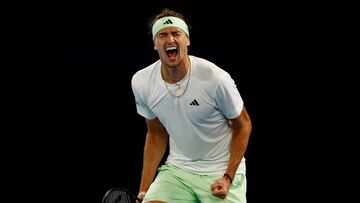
[
  {"x": 176, "y": 34},
  {"x": 162, "y": 35}
]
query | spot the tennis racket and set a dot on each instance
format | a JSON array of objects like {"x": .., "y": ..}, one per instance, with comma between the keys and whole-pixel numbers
[{"x": 119, "y": 195}]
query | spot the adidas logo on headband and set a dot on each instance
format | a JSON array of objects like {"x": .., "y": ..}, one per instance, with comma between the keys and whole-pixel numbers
[{"x": 168, "y": 22}]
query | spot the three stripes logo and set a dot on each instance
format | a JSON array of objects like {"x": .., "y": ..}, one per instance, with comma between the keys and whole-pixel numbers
[
  {"x": 168, "y": 22},
  {"x": 194, "y": 103}
]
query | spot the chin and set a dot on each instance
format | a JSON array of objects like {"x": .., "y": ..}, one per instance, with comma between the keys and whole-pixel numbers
[{"x": 172, "y": 62}]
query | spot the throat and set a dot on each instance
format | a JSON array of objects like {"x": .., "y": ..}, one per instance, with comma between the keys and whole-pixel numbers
[
  {"x": 173, "y": 75},
  {"x": 176, "y": 73},
  {"x": 178, "y": 87}
]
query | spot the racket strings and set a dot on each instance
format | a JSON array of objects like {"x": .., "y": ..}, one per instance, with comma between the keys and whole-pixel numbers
[{"x": 118, "y": 197}]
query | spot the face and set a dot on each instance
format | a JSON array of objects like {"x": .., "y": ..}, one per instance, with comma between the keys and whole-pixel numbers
[{"x": 171, "y": 44}]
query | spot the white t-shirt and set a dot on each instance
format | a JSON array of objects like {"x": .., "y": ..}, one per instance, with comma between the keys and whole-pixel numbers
[{"x": 199, "y": 135}]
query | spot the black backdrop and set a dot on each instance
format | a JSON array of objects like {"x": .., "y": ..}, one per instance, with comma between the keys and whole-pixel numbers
[{"x": 72, "y": 131}]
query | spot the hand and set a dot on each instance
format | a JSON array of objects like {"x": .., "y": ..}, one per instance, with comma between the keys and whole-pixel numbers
[
  {"x": 221, "y": 187},
  {"x": 141, "y": 196}
]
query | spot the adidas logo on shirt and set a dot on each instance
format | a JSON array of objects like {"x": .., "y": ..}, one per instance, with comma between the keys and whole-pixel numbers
[
  {"x": 194, "y": 103},
  {"x": 168, "y": 22}
]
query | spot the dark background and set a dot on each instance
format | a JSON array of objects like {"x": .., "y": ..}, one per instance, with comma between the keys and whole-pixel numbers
[{"x": 71, "y": 130}]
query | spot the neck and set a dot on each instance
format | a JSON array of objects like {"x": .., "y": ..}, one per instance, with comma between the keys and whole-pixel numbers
[{"x": 173, "y": 74}]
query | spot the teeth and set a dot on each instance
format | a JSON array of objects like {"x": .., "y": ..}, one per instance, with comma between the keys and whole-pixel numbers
[{"x": 170, "y": 48}]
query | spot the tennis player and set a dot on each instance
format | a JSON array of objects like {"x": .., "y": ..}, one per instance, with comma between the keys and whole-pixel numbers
[{"x": 194, "y": 106}]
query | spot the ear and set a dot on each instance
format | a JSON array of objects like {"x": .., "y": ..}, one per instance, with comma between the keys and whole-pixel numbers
[
  {"x": 155, "y": 48},
  {"x": 188, "y": 42}
]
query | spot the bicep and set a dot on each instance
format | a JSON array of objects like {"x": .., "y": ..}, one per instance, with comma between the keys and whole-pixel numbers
[
  {"x": 155, "y": 126},
  {"x": 242, "y": 121},
  {"x": 157, "y": 134}
]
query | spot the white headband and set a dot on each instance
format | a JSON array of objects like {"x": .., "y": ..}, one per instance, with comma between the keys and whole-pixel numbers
[{"x": 169, "y": 21}]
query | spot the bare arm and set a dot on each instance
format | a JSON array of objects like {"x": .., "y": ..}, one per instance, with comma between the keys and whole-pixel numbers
[
  {"x": 242, "y": 127},
  {"x": 241, "y": 132},
  {"x": 155, "y": 147}
]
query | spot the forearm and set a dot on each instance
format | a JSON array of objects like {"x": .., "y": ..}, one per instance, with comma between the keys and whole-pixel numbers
[
  {"x": 155, "y": 147},
  {"x": 241, "y": 132},
  {"x": 237, "y": 150}
]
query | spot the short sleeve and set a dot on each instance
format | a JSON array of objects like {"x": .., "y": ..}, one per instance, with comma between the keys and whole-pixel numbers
[
  {"x": 228, "y": 97},
  {"x": 141, "y": 106}
]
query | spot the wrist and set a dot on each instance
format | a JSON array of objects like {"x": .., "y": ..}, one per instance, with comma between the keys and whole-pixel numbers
[
  {"x": 228, "y": 177},
  {"x": 141, "y": 195}
]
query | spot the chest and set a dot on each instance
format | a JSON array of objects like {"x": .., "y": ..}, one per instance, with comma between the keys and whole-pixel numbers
[{"x": 197, "y": 105}]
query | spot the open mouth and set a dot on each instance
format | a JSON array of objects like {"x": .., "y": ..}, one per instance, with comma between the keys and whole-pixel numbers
[{"x": 171, "y": 52}]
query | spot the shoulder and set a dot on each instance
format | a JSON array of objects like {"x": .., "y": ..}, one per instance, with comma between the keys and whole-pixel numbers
[
  {"x": 143, "y": 76},
  {"x": 202, "y": 62},
  {"x": 208, "y": 70}
]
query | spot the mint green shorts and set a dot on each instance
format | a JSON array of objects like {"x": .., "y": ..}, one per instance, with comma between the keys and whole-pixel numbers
[{"x": 174, "y": 185}]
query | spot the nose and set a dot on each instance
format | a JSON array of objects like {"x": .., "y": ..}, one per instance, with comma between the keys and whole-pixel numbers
[{"x": 170, "y": 39}]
